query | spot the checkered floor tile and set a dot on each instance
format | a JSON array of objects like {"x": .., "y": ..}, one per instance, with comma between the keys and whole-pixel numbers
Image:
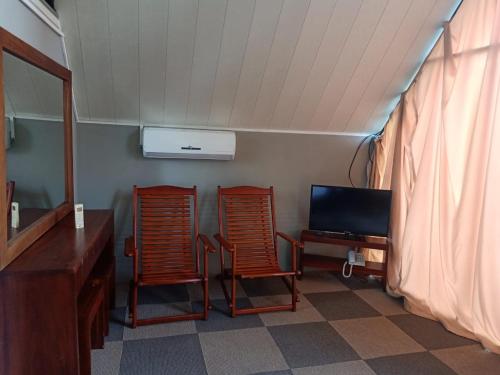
[{"x": 340, "y": 327}]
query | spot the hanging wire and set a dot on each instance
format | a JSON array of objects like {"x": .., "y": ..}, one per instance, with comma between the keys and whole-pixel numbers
[{"x": 371, "y": 149}]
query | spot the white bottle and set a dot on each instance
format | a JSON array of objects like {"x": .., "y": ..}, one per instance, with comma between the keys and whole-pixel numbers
[
  {"x": 79, "y": 221},
  {"x": 14, "y": 215}
]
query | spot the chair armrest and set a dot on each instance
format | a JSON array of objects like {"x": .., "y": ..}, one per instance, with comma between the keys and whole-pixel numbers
[
  {"x": 225, "y": 243},
  {"x": 286, "y": 237},
  {"x": 295, "y": 245},
  {"x": 130, "y": 250},
  {"x": 207, "y": 244}
]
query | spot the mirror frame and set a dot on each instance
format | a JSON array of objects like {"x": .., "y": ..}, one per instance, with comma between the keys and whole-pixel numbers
[{"x": 11, "y": 249}]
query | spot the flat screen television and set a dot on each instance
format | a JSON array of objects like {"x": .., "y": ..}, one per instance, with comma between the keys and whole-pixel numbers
[{"x": 352, "y": 211}]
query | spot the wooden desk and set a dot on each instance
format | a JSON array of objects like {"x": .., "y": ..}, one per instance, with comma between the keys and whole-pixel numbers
[
  {"x": 39, "y": 294},
  {"x": 336, "y": 263}
]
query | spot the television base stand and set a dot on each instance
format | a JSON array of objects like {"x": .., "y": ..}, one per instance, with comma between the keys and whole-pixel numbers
[
  {"x": 335, "y": 264},
  {"x": 345, "y": 235}
]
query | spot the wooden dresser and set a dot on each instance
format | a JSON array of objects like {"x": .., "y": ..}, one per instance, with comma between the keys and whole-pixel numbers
[{"x": 39, "y": 294}]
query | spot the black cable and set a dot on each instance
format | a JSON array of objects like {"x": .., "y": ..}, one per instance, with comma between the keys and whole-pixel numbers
[
  {"x": 372, "y": 136},
  {"x": 354, "y": 158},
  {"x": 371, "y": 148}
]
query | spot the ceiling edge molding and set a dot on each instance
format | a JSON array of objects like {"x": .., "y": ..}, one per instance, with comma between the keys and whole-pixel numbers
[
  {"x": 45, "y": 14},
  {"x": 30, "y": 117},
  {"x": 249, "y": 130}
]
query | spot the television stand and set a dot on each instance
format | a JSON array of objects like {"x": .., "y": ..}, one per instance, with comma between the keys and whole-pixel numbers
[{"x": 335, "y": 263}]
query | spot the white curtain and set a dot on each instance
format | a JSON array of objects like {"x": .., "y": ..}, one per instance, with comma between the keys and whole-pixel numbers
[
  {"x": 381, "y": 171},
  {"x": 444, "y": 144}
]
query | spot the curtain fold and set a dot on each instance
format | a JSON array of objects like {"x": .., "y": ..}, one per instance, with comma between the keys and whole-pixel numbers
[
  {"x": 381, "y": 171},
  {"x": 440, "y": 154}
]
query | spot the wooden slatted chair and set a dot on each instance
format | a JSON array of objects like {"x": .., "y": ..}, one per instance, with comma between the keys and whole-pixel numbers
[
  {"x": 165, "y": 245},
  {"x": 247, "y": 231}
]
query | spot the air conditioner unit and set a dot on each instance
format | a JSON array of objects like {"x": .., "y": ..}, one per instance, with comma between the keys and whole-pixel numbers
[{"x": 188, "y": 143}]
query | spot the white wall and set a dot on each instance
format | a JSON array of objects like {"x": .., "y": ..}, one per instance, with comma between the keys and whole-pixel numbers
[
  {"x": 18, "y": 19},
  {"x": 21, "y": 21}
]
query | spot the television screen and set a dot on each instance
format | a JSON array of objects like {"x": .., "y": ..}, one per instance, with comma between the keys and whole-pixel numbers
[{"x": 350, "y": 210}]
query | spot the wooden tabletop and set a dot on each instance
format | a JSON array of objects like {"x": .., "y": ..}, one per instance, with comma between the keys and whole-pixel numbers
[
  {"x": 380, "y": 243},
  {"x": 64, "y": 248}
]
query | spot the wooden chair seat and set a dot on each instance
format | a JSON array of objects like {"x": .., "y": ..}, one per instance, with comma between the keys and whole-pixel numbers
[
  {"x": 165, "y": 246},
  {"x": 260, "y": 271},
  {"x": 181, "y": 277},
  {"x": 247, "y": 231}
]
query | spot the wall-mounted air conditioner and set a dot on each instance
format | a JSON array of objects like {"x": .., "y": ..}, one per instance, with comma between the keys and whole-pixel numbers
[{"x": 188, "y": 143}]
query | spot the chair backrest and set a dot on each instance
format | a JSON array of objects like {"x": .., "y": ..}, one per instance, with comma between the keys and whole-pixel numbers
[
  {"x": 165, "y": 229},
  {"x": 246, "y": 219},
  {"x": 10, "y": 195}
]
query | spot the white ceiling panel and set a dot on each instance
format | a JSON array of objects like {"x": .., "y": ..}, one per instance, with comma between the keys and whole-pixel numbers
[
  {"x": 153, "y": 20},
  {"x": 181, "y": 32},
  {"x": 285, "y": 41},
  {"x": 369, "y": 62},
  {"x": 306, "y": 51},
  {"x": 30, "y": 91},
  {"x": 339, "y": 28},
  {"x": 237, "y": 25},
  {"x": 259, "y": 44},
  {"x": 211, "y": 16},
  {"x": 423, "y": 40},
  {"x": 360, "y": 37},
  {"x": 69, "y": 15},
  {"x": 413, "y": 21},
  {"x": 124, "y": 49},
  {"x": 19, "y": 87},
  {"x": 93, "y": 21},
  {"x": 273, "y": 65}
]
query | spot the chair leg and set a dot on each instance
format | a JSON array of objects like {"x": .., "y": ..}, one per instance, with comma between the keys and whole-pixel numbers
[
  {"x": 294, "y": 293},
  {"x": 291, "y": 287},
  {"x": 233, "y": 295},
  {"x": 129, "y": 298},
  {"x": 301, "y": 264},
  {"x": 206, "y": 293},
  {"x": 222, "y": 267},
  {"x": 134, "y": 306},
  {"x": 205, "y": 299},
  {"x": 112, "y": 288},
  {"x": 222, "y": 281}
]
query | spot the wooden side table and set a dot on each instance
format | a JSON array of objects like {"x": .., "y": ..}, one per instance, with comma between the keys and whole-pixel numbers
[{"x": 335, "y": 263}]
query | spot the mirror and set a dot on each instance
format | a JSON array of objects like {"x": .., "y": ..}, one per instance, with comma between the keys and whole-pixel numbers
[
  {"x": 36, "y": 154},
  {"x": 34, "y": 141}
]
